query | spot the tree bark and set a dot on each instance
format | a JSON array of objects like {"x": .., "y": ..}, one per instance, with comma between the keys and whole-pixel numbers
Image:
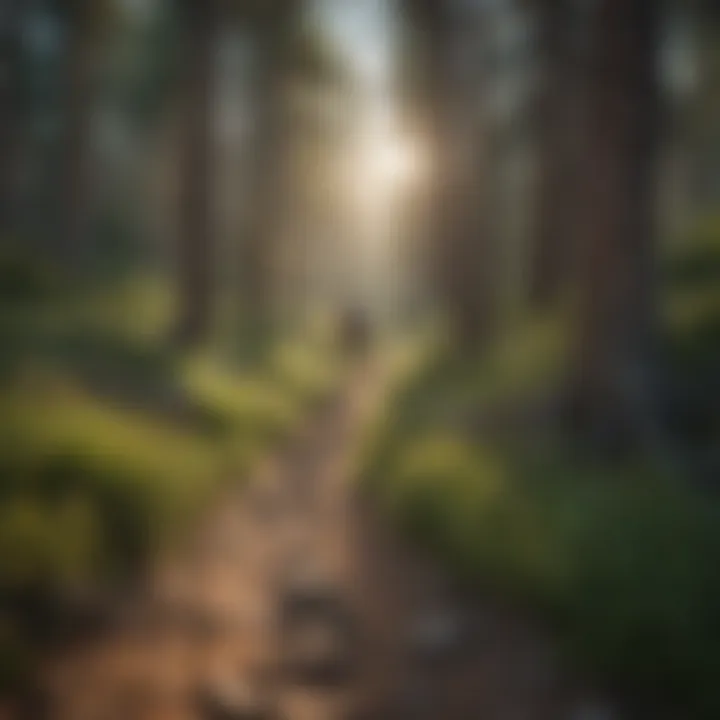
[
  {"x": 10, "y": 111},
  {"x": 80, "y": 76},
  {"x": 196, "y": 241},
  {"x": 273, "y": 29},
  {"x": 463, "y": 269},
  {"x": 612, "y": 382},
  {"x": 556, "y": 119}
]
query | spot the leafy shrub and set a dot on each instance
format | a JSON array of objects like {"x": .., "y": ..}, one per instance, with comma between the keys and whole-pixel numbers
[
  {"x": 133, "y": 476},
  {"x": 305, "y": 371},
  {"x": 622, "y": 558},
  {"x": 696, "y": 261},
  {"x": 625, "y": 562},
  {"x": 24, "y": 278},
  {"x": 253, "y": 406},
  {"x": 110, "y": 444}
]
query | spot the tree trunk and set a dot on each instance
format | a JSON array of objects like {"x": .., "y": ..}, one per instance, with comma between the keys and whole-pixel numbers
[
  {"x": 462, "y": 266},
  {"x": 80, "y": 75},
  {"x": 556, "y": 111},
  {"x": 10, "y": 111},
  {"x": 273, "y": 28},
  {"x": 612, "y": 391},
  {"x": 196, "y": 247}
]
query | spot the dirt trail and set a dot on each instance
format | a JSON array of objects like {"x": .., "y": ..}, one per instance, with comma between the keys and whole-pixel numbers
[{"x": 212, "y": 635}]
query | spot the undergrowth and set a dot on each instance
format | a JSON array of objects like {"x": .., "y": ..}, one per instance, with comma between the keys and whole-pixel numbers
[
  {"x": 620, "y": 555},
  {"x": 111, "y": 444}
]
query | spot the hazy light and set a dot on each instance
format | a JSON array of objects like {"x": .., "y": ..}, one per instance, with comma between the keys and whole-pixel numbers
[
  {"x": 391, "y": 162},
  {"x": 395, "y": 161}
]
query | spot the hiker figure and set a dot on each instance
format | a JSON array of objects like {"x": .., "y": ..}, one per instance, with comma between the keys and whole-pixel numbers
[{"x": 355, "y": 332}]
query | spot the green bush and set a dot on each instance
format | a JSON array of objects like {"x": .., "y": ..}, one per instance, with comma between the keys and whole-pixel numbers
[
  {"x": 621, "y": 557},
  {"x": 305, "y": 371},
  {"x": 111, "y": 443},
  {"x": 16, "y": 657},
  {"x": 696, "y": 261},
  {"x": 63, "y": 449},
  {"x": 45, "y": 543},
  {"x": 26, "y": 279},
  {"x": 252, "y": 406},
  {"x": 133, "y": 472},
  {"x": 623, "y": 560},
  {"x": 692, "y": 300}
]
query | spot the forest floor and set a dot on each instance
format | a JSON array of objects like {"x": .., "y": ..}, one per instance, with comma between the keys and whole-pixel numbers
[{"x": 294, "y": 600}]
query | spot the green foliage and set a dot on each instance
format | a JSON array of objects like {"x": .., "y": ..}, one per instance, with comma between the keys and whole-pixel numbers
[
  {"x": 441, "y": 391},
  {"x": 110, "y": 444},
  {"x": 252, "y": 406},
  {"x": 141, "y": 467},
  {"x": 53, "y": 543},
  {"x": 622, "y": 558},
  {"x": 23, "y": 279},
  {"x": 692, "y": 339},
  {"x": 16, "y": 657},
  {"x": 692, "y": 272},
  {"x": 123, "y": 478},
  {"x": 306, "y": 371}
]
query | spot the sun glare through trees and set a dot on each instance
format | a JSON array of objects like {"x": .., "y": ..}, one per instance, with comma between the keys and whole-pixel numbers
[{"x": 359, "y": 359}]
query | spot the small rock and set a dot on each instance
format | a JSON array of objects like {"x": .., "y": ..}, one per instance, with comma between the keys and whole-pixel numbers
[
  {"x": 234, "y": 701},
  {"x": 437, "y": 635},
  {"x": 416, "y": 701},
  {"x": 307, "y": 591},
  {"x": 595, "y": 710},
  {"x": 318, "y": 631},
  {"x": 412, "y": 702},
  {"x": 318, "y": 651}
]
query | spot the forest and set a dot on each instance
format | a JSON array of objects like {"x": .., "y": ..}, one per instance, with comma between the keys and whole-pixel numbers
[{"x": 359, "y": 359}]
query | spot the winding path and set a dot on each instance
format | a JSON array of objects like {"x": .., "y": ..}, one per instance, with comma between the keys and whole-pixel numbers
[{"x": 214, "y": 634}]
